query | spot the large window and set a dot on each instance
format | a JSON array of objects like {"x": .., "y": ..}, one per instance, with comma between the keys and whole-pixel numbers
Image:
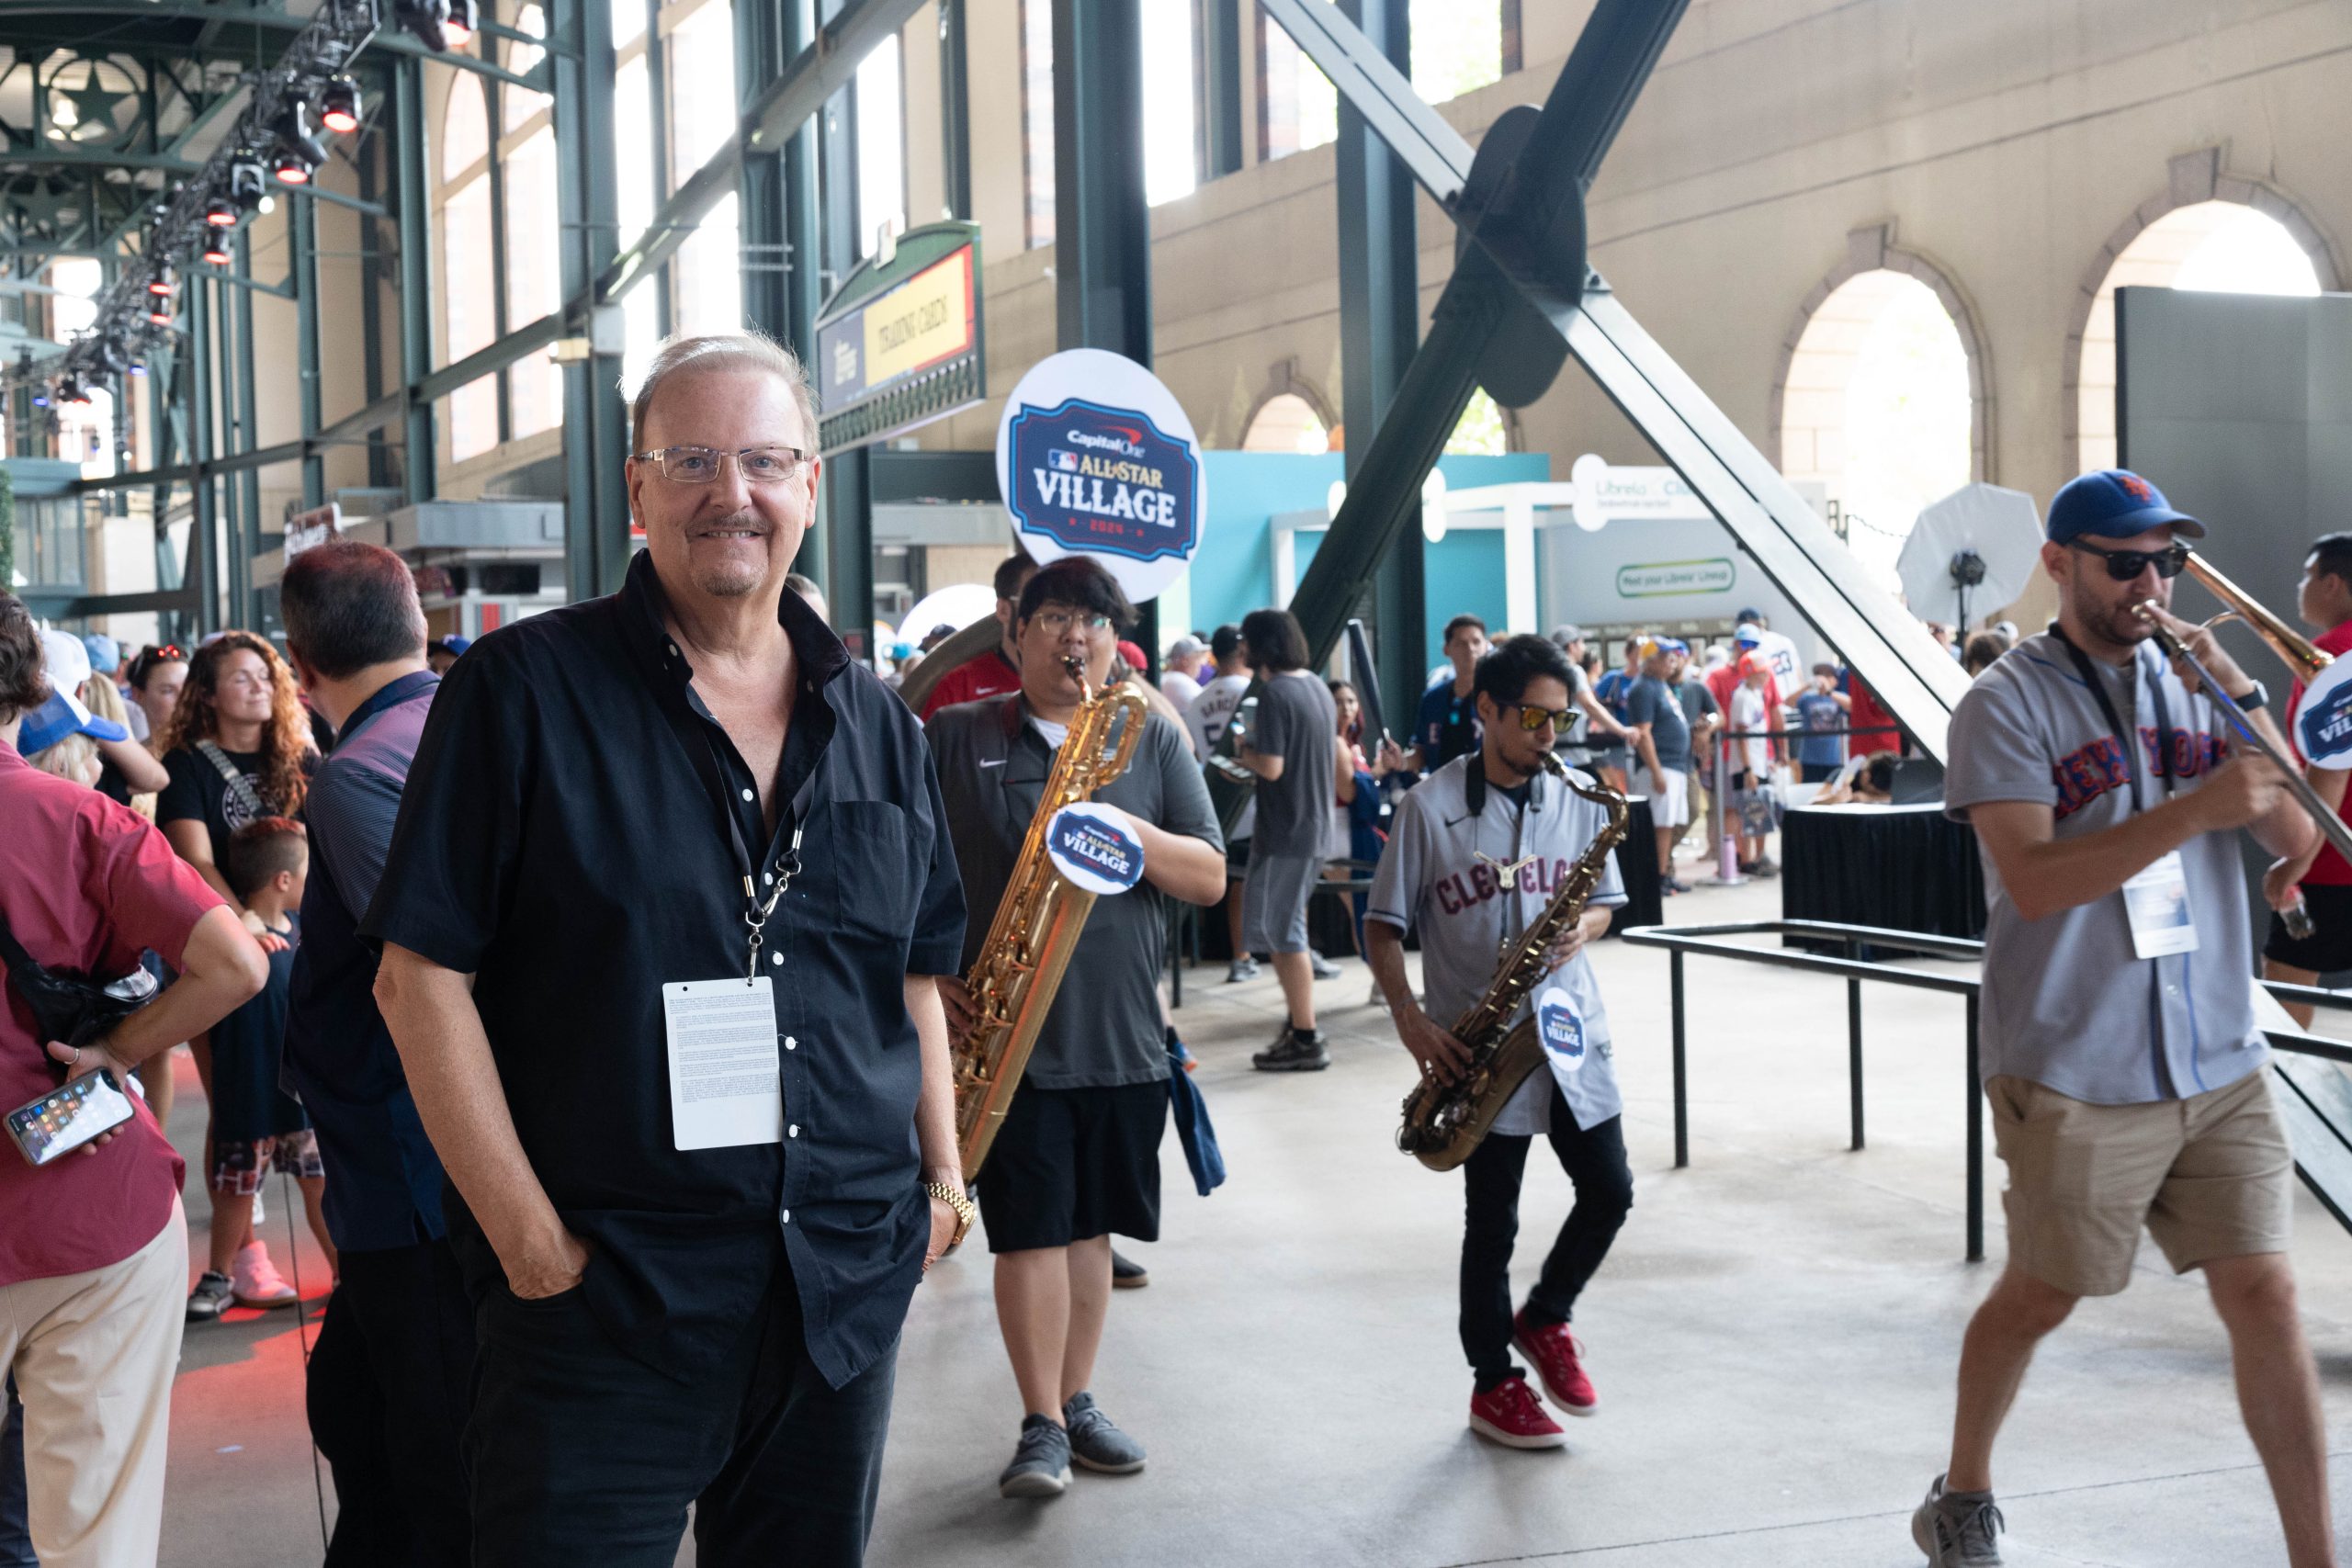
[
  {"x": 1458, "y": 46},
  {"x": 1171, "y": 165},
  {"x": 881, "y": 144},
  {"x": 707, "y": 279},
  {"x": 468, "y": 266},
  {"x": 1297, "y": 105},
  {"x": 1037, "y": 119}
]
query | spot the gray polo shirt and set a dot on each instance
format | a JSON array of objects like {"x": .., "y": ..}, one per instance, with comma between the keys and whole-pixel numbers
[
  {"x": 1104, "y": 1028},
  {"x": 2066, "y": 1003},
  {"x": 1442, "y": 875}
]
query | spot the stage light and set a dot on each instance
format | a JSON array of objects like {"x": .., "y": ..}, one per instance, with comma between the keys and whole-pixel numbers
[
  {"x": 69, "y": 390},
  {"x": 290, "y": 168},
  {"x": 339, "y": 105},
  {"x": 216, "y": 249},
  {"x": 164, "y": 281},
  {"x": 139, "y": 367},
  {"x": 465, "y": 20},
  {"x": 429, "y": 20},
  {"x": 221, "y": 213},
  {"x": 248, "y": 182},
  {"x": 160, "y": 318},
  {"x": 298, "y": 152}
]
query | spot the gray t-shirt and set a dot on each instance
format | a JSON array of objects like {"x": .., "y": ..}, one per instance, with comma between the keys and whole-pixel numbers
[
  {"x": 1297, "y": 722},
  {"x": 2066, "y": 1002},
  {"x": 1437, "y": 876},
  {"x": 1652, "y": 702},
  {"x": 1104, "y": 1028}
]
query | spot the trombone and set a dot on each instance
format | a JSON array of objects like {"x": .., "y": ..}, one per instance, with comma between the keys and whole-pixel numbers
[{"x": 2292, "y": 647}]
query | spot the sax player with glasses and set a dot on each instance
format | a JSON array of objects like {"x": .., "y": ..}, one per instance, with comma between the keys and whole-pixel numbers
[
  {"x": 1474, "y": 855},
  {"x": 1077, "y": 1156}
]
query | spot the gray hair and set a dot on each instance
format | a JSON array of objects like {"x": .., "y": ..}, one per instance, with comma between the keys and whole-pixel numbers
[{"x": 723, "y": 351}]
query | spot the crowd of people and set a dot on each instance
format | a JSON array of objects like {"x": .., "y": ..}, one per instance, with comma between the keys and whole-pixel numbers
[{"x": 623, "y": 1214}]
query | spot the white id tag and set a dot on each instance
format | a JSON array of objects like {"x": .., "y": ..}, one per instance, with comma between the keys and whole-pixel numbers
[
  {"x": 724, "y": 1088},
  {"x": 2156, "y": 902}
]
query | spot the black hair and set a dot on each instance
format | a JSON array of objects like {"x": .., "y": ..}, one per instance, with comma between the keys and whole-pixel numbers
[
  {"x": 1082, "y": 584},
  {"x": 348, "y": 604},
  {"x": 1275, "y": 642},
  {"x": 23, "y": 685},
  {"x": 262, "y": 848},
  {"x": 1881, "y": 770},
  {"x": 2331, "y": 556},
  {"x": 1011, "y": 574},
  {"x": 1459, "y": 622},
  {"x": 1505, "y": 673},
  {"x": 1225, "y": 642},
  {"x": 1826, "y": 668}
]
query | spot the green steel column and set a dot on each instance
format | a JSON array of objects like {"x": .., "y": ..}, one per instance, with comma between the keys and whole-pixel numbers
[
  {"x": 848, "y": 495},
  {"x": 1221, "y": 94},
  {"x": 595, "y": 443},
  {"x": 246, "y": 507},
  {"x": 1379, "y": 329},
  {"x": 955, "y": 111},
  {"x": 420, "y": 455},
  {"x": 204, "y": 561},
  {"x": 302, "y": 252}
]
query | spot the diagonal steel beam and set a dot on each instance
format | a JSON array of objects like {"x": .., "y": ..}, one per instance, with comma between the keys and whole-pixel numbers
[{"x": 1515, "y": 235}]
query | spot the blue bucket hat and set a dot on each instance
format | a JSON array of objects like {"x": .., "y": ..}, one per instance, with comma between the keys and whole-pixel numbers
[{"x": 2114, "y": 503}]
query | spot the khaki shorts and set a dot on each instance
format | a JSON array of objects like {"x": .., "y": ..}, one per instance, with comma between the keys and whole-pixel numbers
[{"x": 2210, "y": 1177}]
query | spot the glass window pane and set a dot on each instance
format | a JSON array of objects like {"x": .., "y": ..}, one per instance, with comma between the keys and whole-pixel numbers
[
  {"x": 534, "y": 287},
  {"x": 1170, "y": 168},
  {"x": 472, "y": 414},
  {"x": 702, "y": 87},
  {"x": 517, "y": 104},
  {"x": 1457, "y": 46},
  {"x": 710, "y": 275},
  {"x": 1298, "y": 107},
  {"x": 1037, "y": 118},
  {"x": 465, "y": 128},
  {"x": 628, "y": 21},
  {"x": 470, "y": 321},
  {"x": 881, "y": 144},
  {"x": 633, "y": 148}
]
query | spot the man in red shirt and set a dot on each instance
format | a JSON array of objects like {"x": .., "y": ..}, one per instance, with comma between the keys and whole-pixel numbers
[
  {"x": 998, "y": 670},
  {"x": 2321, "y": 878},
  {"x": 93, "y": 1249}
]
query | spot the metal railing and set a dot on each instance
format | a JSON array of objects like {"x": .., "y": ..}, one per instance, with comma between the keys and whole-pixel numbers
[{"x": 1712, "y": 942}]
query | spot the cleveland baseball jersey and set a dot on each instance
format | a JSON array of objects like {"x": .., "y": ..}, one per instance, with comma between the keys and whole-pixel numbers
[
  {"x": 1469, "y": 880},
  {"x": 2067, "y": 1001}
]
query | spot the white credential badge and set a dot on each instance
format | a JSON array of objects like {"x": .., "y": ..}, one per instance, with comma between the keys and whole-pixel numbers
[
  {"x": 724, "y": 1088},
  {"x": 2156, "y": 901},
  {"x": 1561, "y": 1029},
  {"x": 1096, "y": 847}
]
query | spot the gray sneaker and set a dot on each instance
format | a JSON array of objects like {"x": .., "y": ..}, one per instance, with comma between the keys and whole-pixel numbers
[
  {"x": 1321, "y": 967},
  {"x": 1290, "y": 1054},
  {"x": 1095, "y": 1443},
  {"x": 1240, "y": 970},
  {"x": 1955, "y": 1534},
  {"x": 213, "y": 1295},
  {"x": 1040, "y": 1466}
]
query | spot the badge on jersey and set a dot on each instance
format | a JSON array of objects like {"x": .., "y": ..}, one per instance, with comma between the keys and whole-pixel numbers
[
  {"x": 724, "y": 1088},
  {"x": 1096, "y": 846},
  {"x": 1560, "y": 1028},
  {"x": 2156, "y": 901},
  {"x": 2324, "y": 718}
]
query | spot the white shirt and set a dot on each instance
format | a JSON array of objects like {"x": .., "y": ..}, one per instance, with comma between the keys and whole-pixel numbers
[
  {"x": 1178, "y": 689},
  {"x": 1747, "y": 714}
]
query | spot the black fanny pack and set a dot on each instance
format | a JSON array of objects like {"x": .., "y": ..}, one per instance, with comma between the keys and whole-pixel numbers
[{"x": 70, "y": 1007}]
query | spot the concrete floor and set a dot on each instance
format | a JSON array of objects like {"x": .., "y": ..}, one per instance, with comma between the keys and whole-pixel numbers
[{"x": 1773, "y": 1338}]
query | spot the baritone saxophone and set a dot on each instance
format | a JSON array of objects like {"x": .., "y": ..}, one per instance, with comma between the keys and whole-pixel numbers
[{"x": 1038, "y": 919}]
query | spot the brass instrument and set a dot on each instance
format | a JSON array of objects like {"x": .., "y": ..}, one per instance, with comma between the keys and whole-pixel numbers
[
  {"x": 2292, "y": 647},
  {"x": 1444, "y": 1122},
  {"x": 1037, "y": 922}
]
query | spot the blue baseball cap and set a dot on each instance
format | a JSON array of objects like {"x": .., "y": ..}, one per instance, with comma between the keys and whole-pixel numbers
[
  {"x": 61, "y": 716},
  {"x": 455, "y": 646},
  {"x": 105, "y": 654},
  {"x": 2114, "y": 503},
  {"x": 1747, "y": 637}
]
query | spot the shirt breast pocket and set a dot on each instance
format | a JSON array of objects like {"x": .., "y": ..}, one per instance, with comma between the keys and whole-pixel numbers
[{"x": 875, "y": 876}]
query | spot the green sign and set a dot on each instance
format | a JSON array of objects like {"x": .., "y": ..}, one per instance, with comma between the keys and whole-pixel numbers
[
  {"x": 1663, "y": 579},
  {"x": 900, "y": 344}
]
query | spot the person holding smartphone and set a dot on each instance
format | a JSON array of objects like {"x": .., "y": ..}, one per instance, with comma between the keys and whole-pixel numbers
[{"x": 93, "y": 1262}]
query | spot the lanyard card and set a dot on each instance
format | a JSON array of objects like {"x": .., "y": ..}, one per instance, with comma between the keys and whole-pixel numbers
[
  {"x": 2156, "y": 901},
  {"x": 1560, "y": 1028},
  {"x": 724, "y": 1088}
]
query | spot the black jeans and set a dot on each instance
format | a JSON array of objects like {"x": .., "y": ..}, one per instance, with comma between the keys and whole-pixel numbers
[
  {"x": 581, "y": 1454},
  {"x": 1594, "y": 1159},
  {"x": 389, "y": 1380}
]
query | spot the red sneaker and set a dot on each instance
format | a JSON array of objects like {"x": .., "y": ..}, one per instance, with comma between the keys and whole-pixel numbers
[
  {"x": 1554, "y": 1352},
  {"x": 1509, "y": 1414}
]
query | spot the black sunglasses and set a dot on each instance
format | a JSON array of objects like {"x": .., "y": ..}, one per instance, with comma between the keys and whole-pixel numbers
[{"x": 2125, "y": 565}]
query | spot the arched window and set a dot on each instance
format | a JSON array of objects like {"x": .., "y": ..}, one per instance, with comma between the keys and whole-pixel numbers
[
  {"x": 469, "y": 271},
  {"x": 1876, "y": 405},
  {"x": 534, "y": 281},
  {"x": 2220, "y": 246},
  {"x": 519, "y": 104},
  {"x": 465, "y": 128},
  {"x": 1286, "y": 423}
]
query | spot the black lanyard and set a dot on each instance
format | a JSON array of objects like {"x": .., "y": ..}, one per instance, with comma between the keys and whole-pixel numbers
[{"x": 2115, "y": 721}]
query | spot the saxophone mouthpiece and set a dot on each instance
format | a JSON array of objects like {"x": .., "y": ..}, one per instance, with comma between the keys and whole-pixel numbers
[{"x": 1076, "y": 667}]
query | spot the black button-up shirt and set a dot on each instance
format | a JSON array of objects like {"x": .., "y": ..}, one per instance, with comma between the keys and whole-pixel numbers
[{"x": 561, "y": 839}]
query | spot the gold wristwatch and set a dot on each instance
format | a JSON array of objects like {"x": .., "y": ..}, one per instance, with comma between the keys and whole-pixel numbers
[{"x": 954, "y": 1198}]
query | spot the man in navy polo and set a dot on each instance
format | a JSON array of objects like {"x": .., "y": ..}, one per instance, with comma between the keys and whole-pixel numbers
[{"x": 388, "y": 1381}]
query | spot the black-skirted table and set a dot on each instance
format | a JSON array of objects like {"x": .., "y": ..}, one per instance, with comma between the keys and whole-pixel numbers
[
  {"x": 1905, "y": 867},
  {"x": 1637, "y": 864}
]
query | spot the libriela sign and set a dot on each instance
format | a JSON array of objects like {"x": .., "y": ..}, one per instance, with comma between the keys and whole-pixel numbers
[
  {"x": 1096, "y": 847},
  {"x": 1096, "y": 457},
  {"x": 1661, "y": 580}
]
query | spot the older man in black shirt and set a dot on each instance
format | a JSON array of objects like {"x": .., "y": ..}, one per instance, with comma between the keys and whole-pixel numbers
[{"x": 659, "y": 920}]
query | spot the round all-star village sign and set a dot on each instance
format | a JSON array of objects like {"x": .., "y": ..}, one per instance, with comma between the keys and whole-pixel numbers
[{"x": 1095, "y": 458}]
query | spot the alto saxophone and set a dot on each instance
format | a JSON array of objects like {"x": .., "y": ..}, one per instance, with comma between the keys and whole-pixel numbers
[
  {"x": 1443, "y": 1122},
  {"x": 1037, "y": 922}
]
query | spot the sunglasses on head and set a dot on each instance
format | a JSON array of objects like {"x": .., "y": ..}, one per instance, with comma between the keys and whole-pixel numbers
[
  {"x": 2125, "y": 565},
  {"x": 1532, "y": 718}
]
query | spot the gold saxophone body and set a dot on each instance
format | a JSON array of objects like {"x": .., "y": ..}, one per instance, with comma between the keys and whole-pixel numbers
[
  {"x": 1037, "y": 922},
  {"x": 1444, "y": 1122}
]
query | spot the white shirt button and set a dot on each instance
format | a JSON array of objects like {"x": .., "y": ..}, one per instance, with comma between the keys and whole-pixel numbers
[
  {"x": 787, "y": 1216},
  {"x": 775, "y": 957},
  {"x": 767, "y": 876},
  {"x": 749, "y": 796},
  {"x": 792, "y": 1131},
  {"x": 674, "y": 647},
  {"x": 790, "y": 1043}
]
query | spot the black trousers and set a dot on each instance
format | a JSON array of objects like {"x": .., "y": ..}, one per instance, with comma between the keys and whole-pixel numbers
[
  {"x": 389, "y": 1383},
  {"x": 1594, "y": 1159},
  {"x": 583, "y": 1455}
]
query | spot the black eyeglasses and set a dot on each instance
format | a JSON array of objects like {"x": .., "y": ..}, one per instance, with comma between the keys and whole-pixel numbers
[{"x": 2125, "y": 565}]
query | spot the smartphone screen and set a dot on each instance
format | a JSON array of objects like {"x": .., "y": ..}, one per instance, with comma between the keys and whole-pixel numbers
[{"x": 65, "y": 1119}]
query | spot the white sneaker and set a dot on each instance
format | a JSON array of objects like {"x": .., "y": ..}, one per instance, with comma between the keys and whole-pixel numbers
[{"x": 256, "y": 1279}]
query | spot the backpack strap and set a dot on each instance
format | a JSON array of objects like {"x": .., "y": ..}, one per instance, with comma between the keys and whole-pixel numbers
[{"x": 238, "y": 787}]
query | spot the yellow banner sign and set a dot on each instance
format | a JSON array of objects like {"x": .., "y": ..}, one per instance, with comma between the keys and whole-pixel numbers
[{"x": 925, "y": 320}]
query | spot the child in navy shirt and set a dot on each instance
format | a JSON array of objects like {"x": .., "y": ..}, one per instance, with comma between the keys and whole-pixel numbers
[{"x": 1820, "y": 712}]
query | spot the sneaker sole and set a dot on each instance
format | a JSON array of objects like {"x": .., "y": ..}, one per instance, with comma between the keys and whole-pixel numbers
[
  {"x": 1034, "y": 1484},
  {"x": 1303, "y": 1065},
  {"x": 1495, "y": 1434},
  {"x": 1519, "y": 1342},
  {"x": 1101, "y": 1469},
  {"x": 1133, "y": 1283},
  {"x": 267, "y": 1303}
]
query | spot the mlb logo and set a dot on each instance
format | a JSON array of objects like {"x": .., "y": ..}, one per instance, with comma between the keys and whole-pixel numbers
[{"x": 1062, "y": 457}]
